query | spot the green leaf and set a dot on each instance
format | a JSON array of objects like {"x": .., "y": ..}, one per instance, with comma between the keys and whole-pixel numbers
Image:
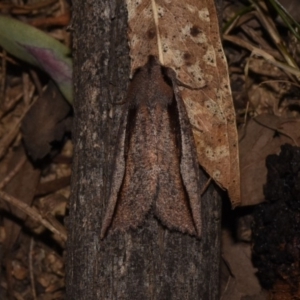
[{"x": 39, "y": 49}]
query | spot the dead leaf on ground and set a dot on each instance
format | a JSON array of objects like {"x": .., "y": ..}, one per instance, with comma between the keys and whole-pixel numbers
[
  {"x": 261, "y": 137},
  {"x": 46, "y": 122},
  {"x": 241, "y": 281}
]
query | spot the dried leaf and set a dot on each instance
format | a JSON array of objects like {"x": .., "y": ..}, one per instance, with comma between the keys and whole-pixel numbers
[
  {"x": 46, "y": 123},
  {"x": 262, "y": 136},
  {"x": 243, "y": 282},
  {"x": 185, "y": 37}
]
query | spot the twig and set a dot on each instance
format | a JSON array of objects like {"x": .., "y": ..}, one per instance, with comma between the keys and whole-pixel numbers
[
  {"x": 11, "y": 135},
  {"x": 268, "y": 23},
  {"x": 207, "y": 183},
  {"x": 13, "y": 173},
  {"x": 32, "y": 283},
  {"x": 32, "y": 213},
  {"x": 259, "y": 52},
  {"x": 36, "y": 82}
]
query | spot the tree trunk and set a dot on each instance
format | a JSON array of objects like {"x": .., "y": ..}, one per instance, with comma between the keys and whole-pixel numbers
[{"x": 149, "y": 263}]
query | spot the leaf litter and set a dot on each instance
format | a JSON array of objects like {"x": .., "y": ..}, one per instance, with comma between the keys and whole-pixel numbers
[{"x": 266, "y": 98}]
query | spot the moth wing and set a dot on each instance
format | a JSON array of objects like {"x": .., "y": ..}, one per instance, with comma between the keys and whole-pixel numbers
[
  {"x": 139, "y": 185},
  {"x": 118, "y": 176},
  {"x": 176, "y": 205},
  {"x": 189, "y": 164}
]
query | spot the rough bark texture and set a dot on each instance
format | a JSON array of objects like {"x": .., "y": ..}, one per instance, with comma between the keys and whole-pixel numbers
[{"x": 152, "y": 262}]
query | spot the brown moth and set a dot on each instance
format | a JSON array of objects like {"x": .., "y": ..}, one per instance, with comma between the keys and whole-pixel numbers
[{"x": 156, "y": 168}]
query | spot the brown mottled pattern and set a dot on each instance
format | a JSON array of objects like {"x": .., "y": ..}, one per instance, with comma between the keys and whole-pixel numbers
[{"x": 156, "y": 168}]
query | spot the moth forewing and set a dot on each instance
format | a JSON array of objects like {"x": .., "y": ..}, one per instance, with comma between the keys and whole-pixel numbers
[
  {"x": 117, "y": 178},
  {"x": 189, "y": 165}
]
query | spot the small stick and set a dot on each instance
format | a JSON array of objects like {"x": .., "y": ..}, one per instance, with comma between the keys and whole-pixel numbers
[
  {"x": 32, "y": 283},
  {"x": 13, "y": 172},
  {"x": 31, "y": 212}
]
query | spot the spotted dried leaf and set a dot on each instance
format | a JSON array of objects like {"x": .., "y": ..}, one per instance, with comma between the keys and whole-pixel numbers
[{"x": 184, "y": 35}]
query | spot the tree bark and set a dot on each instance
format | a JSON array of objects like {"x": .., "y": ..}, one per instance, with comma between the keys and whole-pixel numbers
[{"x": 149, "y": 263}]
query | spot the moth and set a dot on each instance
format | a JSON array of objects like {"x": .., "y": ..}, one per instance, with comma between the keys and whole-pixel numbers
[{"x": 156, "y": 169}]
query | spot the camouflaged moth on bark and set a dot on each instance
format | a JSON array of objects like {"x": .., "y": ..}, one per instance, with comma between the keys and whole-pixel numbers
[{"x": 156, "y": 169}]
